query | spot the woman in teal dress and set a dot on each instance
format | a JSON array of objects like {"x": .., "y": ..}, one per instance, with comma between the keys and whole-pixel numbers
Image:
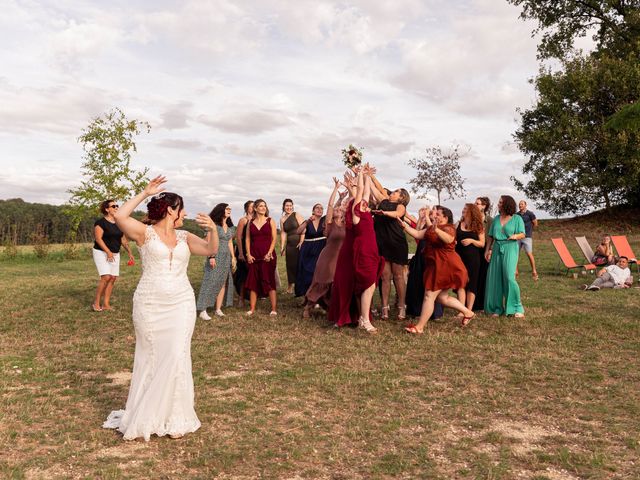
[{"x": 502, "y": 295}]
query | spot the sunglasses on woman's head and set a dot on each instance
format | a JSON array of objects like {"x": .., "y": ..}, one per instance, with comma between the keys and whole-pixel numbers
[{"x": 114, "y": 206}]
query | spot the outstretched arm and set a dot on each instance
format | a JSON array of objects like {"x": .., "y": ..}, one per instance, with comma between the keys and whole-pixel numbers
[
  {"x": 332, "y": 199},
  {"x": 417, "y": 234},
  {"x": 380, "y": 188},
  {"x": 132, "y": 228}
]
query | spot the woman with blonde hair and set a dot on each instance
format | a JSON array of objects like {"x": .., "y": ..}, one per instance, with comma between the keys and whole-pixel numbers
[{"x": 261, "y": 257}]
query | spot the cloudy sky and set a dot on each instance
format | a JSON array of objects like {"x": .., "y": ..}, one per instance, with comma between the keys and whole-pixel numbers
[{"x": 253, "y": 98}]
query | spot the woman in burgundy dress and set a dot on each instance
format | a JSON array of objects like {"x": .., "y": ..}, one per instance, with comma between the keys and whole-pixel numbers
[
  {"x": 343, "y": 309},
  {"x": 444, "y": 269},
  {"x": 367, "y": 264},
  {"x": 261, "y": 257},
  {"x": 320, "y": 290}
]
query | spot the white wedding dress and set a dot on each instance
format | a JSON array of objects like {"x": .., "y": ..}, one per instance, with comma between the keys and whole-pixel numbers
[{"x": 161, "y": 396}]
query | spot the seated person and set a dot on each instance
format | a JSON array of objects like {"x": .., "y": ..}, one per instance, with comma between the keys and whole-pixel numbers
[
  {"x": 613, "y": 276},
  {"x": 604, "y": 252}
]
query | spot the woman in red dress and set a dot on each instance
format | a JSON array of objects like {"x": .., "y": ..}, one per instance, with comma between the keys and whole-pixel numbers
[
  {"x": 261, "y": 257},
  {"x": 343, "y": 309},
  {"x": 367, "y": 263},
  {"x": 444, "y": 269}
]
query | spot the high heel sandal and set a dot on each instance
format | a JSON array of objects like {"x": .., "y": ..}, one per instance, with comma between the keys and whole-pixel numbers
[
  {"x": 402, "y": 312},
  {"x": 385, "y": 313},
  {"x": 366, "y": 325}
]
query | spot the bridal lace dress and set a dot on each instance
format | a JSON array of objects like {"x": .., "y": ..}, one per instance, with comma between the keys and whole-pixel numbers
[{"x": 161, "y": 396}]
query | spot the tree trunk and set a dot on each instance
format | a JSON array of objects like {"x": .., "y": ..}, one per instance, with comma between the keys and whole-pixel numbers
[
  {"x": 607, "y": 200},
  {"x": 438, "y": 197}
]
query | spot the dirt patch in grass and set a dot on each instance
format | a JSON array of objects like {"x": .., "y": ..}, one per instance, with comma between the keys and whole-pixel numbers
[{"x": 120, "y": 378}]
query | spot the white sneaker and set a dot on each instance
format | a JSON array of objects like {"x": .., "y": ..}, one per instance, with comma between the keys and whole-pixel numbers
[
  {"x": 219, "y": 313},
  {"x": 273, "y": 313},
  {"x": 204, "y": 315}
]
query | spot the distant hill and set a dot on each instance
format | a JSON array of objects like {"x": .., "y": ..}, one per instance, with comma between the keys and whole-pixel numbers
[{"x": 619, "y": 220}]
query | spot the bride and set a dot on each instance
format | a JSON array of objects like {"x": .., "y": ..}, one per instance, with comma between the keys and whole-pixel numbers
[{"x": 161, "y": 396}]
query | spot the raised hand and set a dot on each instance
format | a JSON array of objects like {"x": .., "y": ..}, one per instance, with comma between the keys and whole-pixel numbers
[
  {"x": 205, "y": 221},
  {"x": 336, "y": 183},
  {"x": 155, "y": 186}
]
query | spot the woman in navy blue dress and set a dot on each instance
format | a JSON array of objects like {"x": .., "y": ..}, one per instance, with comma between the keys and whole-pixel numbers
[{"x": 313, "y": 243}]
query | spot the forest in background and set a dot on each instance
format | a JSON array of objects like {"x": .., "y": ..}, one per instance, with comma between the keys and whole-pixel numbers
[{"x": 24, "y": 223}]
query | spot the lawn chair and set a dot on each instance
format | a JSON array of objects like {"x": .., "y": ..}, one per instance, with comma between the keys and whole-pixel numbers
[
  {"x": 585, "y": 247},
  {"x": 624, "y": 249},
  {"x": 566, "y": 258}
]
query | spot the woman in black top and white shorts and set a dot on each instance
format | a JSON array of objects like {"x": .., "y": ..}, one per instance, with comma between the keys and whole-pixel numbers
[{"x": 106, "y": 254}]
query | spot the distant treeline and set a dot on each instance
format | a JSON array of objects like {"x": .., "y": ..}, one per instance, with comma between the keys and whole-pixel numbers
[{"x": 20, "y": 221}]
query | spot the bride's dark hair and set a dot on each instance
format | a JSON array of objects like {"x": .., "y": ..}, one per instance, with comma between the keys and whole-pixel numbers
[{"x": 159, "y": 205}]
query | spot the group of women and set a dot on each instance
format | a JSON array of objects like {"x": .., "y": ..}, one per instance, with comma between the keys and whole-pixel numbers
[
  {"x": 342, "y": 258},
  {"x": 337, "y": 261}
]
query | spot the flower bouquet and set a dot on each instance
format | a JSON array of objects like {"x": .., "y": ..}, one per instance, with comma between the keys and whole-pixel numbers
[{"x": 352, "y": 156}]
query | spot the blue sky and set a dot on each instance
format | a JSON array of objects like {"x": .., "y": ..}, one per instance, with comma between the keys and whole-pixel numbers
[{"x": 253, "y": 99}]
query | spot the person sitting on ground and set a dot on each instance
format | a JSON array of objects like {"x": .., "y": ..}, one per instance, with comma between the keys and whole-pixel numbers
[
  {"x": 604, "y": 252},
  {"x": 613, "y": 276}
]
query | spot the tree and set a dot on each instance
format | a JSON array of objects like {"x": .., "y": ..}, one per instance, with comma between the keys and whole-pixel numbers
[
  {"x": 575, "y": 162},
  {"x": 440, "y": 171},
  {"x": 627, "y": 118},
  {"x": 614, "y": 25},
  {"x": 107, "y": 143}
]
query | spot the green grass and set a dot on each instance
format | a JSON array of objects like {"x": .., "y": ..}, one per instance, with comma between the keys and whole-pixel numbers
[{"x": 554, "y": 396}]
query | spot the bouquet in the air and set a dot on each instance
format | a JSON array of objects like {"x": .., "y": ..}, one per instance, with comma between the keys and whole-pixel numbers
[{"x": 351, "y": 156}]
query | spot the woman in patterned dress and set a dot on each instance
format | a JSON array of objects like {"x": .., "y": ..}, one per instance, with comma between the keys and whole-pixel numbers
[{"x": 218, "y": 269}]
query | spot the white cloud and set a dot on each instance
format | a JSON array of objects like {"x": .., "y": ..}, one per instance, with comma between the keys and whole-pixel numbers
[{"x": 252, "y": 99}]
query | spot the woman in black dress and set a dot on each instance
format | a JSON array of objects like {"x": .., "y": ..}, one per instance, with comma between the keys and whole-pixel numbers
[
  {"x": 392, "y": 245},
  {"x": 242, "y": 269},
  {"x": 470, "y": 247},
  {"x": 484, "y": 205}
]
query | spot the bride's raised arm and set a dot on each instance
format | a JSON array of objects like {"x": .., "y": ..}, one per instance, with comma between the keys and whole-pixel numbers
[{"x": 132, "y": 228}]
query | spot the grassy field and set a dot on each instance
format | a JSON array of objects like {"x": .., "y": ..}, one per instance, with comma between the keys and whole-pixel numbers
[{"x": 554, "y": 396}]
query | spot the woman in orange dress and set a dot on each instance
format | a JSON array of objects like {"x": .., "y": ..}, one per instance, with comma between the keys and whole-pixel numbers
[{"x": 444, "y": 269}]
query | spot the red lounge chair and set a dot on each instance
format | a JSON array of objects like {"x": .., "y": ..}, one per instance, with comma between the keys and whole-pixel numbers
[
  {"x": 566, "y": 258},
  {"x": 624, "y": 249}
]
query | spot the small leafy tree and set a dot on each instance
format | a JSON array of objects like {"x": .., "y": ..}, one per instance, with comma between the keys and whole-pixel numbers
[
  {"x": 438, "y": 170},
  {"x": 108, "y": 142}
]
